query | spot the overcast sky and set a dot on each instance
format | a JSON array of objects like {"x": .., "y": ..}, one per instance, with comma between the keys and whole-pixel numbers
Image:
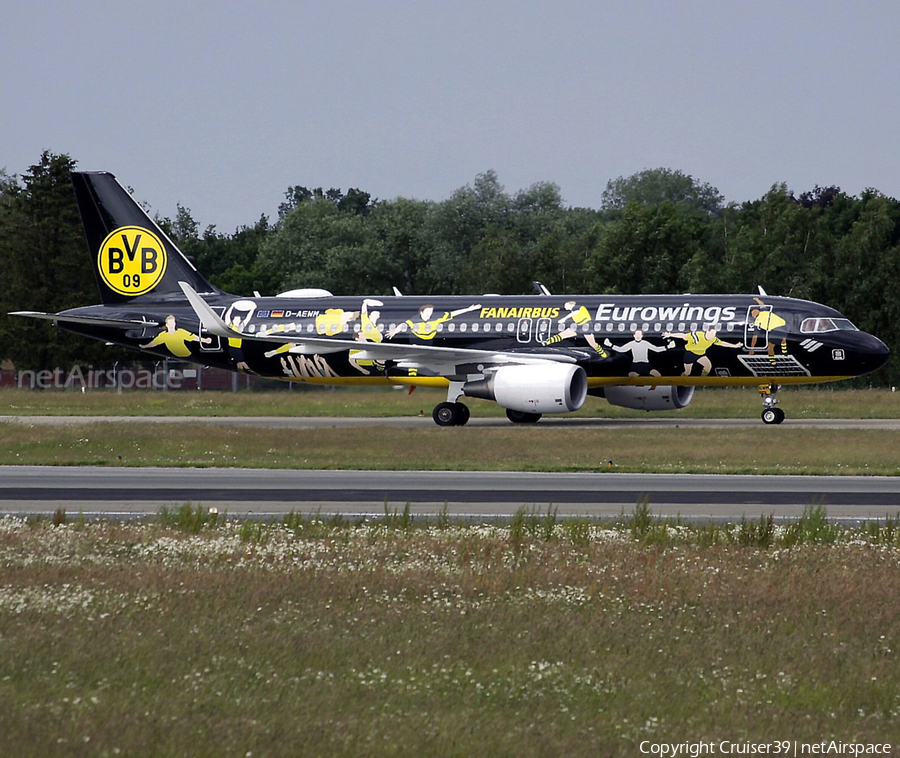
[{"x": 220, "y": 106}]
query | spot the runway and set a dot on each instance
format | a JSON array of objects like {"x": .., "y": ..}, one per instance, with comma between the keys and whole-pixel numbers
[
  {"x": 96, "y": 491},
  {"x": 319, "y": 422}
]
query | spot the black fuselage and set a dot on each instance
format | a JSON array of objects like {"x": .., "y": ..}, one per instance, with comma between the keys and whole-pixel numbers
[{"x": 627, "y": 339}]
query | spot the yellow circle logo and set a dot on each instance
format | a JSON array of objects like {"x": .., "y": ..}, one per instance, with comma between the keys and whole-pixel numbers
[{"x": 132, "y": 260}]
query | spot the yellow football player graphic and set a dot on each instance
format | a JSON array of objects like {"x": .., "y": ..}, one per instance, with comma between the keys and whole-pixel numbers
[
  {"x": 768, "y": 322},
  {"x": 238, "y": 317},
  {"x": 240, "y": 314},
  {"x": 285, "y": 348},
  {"x": 368, "y": 332},
  {"x": 368, "y": 322},
  {"x": 334, "y": 321},
  {"x": 427, "y": 327},
  {"x": 175, "y": 340},
  {"x": 580, "y": 316},
  {"x": 696, "y": 345}
]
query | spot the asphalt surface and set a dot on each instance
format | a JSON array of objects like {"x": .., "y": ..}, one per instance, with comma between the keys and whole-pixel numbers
[
  {"x": 96, "y": 491},
  {"x": 318, "y": 422}
]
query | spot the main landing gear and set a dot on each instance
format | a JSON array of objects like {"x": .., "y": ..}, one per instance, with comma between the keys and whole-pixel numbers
[
  {"x": 771, "y": 414},
  {"x": 450, "y": 414}
]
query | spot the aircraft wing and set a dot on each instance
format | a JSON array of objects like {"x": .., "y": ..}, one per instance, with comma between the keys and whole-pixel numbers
[
  {"x": 432, "y": 355},
  {"x": 92, "y": 320}
]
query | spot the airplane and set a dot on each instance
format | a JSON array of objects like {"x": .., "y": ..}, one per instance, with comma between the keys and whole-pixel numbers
[{"x": 531, "y": 354}]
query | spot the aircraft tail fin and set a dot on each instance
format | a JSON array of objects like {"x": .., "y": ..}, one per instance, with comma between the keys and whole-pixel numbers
[{"x": 132, "y": 257}]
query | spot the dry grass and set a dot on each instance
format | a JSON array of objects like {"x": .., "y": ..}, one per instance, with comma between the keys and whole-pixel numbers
[
  {"x": 755, "y": 450},
  {"x": 318, "y": 640}
]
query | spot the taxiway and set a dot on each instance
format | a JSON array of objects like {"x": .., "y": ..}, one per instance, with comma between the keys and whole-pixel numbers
[{"x": 96, "y": 491}]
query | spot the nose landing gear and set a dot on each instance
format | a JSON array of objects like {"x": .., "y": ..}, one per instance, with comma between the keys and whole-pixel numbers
[{"x": 771, "y": 414}]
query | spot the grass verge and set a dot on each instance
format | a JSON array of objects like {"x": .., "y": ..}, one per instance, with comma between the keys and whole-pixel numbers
[{"x": 755, "y": 450}]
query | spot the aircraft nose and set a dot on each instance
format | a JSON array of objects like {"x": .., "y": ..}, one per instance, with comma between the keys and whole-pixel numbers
[{"x": 873, "y": 353}]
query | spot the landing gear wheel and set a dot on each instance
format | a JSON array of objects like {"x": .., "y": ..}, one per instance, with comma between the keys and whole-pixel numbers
[
  {"x": 450, "y": 414},
  {"x": 771, "y": 413},
  {"x": 772, "y": 416},
  {"x": 522, "y": 417}
]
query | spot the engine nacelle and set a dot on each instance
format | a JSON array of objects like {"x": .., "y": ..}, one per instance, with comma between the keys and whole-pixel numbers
[
  {"x": 658, "y": 398},
  {"x": 539, "y": 388}
]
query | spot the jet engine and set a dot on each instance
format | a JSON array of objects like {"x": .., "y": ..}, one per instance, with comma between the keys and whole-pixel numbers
[
  {"x": 657, "y": 398},
  {"x": 537, "y": 388}
]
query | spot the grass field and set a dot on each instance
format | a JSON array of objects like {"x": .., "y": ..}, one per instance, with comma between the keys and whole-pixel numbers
[
  {"x": 190, "y": 636},
  {"x": 539, "y": 638},
  {"x": 756, "y": 449},
  {"x": 762, "y": 450}
]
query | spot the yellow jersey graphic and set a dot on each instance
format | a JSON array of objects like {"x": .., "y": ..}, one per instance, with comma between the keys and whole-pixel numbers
[
  {"x": 427, "y": 330},
  {"x": 175, "y": 339},
  {"x": 132, "y": 260},
  {"x": 333, "y": 321},
  {"x": 768, "y": 320},
  {"x": 698, "y": 342}
]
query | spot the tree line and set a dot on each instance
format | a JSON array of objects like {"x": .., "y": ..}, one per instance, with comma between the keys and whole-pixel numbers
[{"x": 658, "y": 231}]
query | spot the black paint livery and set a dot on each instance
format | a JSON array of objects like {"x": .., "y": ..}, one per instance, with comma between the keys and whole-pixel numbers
[{"x": 531, "y": 354}]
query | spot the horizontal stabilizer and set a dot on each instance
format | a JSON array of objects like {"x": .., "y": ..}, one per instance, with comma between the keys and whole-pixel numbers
[{"x": 93, "y": 320}]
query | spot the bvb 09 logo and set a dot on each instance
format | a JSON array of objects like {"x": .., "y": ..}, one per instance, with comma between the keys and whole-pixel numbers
[{"x": 132, "y": 260}]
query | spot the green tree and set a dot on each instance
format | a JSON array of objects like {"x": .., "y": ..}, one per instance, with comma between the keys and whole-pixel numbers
[
  {"x": 497, "y": 264},
  {"x": 317, "y": 245},
  {"x": 862, "y": 275},
  {"x": 775, "y": 243},
  {"x": 658, "y": 185},
  {"x": 402, "y": 227},
  {"x": 44, "y": 266},
  {"x": 645, "y": 250},
  {"x": 355, "y": 201},
  {"x": 228, "y": 261},
  {"x": 562, "y": 253},
  {"x": 457, "y": 225}
]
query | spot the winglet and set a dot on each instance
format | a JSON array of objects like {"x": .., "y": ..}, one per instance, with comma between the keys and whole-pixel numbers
[{"x": 208, "y": 317}]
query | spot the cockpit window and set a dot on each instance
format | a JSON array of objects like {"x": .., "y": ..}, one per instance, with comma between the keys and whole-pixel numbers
[{"x": 819, "y": 325}]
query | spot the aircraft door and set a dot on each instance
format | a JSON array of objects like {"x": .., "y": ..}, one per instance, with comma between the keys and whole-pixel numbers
[
  {"x": 523, "y": 330},
  {"x": 543, "y": 330},
  {"x": 215, "y": 343},
  {"x": 757, "y": 326}
]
